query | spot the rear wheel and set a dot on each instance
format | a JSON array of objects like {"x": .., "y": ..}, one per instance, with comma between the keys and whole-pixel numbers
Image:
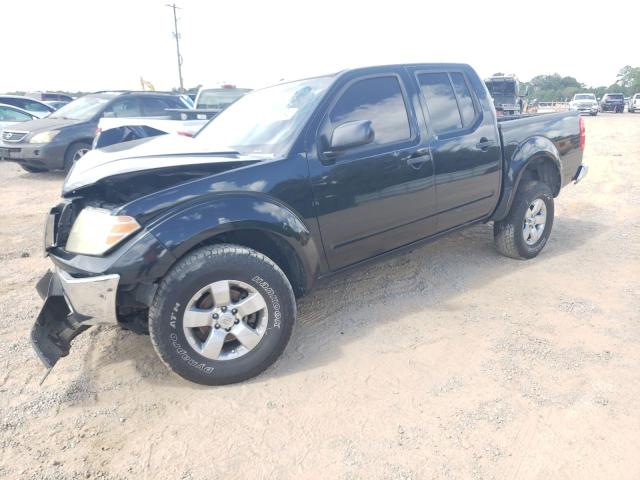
[
  {"x": 525, "y": 231},
  {"x": 74, "y": 153},
  {"x": 222, "y": 315}
]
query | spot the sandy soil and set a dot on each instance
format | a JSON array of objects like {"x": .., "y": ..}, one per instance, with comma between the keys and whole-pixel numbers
[{"x": 447, "y": 362}]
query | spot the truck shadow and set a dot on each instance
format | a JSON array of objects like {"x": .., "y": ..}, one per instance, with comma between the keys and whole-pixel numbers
[
  {"x": 348, "y": 306},
  {"x": 360, "y": 301}
]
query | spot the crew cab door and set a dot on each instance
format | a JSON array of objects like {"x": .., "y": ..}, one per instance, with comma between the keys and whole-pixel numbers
[
  {"x": 377, "y": 196},
  {"x": 465, "y": 146}
]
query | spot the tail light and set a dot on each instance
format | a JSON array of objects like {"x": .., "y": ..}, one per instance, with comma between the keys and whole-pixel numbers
[
  {"x": 582, "y": 138},
  {"x": 185, "y": 134}
]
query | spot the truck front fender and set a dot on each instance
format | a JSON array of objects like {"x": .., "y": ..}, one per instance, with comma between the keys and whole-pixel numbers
[
  {"x": 248, "y": 216},
  {"x": 537, "y": 147}
]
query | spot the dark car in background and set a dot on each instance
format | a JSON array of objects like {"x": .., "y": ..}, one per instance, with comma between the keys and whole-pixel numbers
[
  {"x": 612, "y": 102},
  {"x": 58, "y": 141},
  {"x": 31, "y": 105}
]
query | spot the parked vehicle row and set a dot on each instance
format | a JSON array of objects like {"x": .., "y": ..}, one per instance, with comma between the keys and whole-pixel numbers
[
  {"x": 206, "y": 242},
  {"x": 63, "y": 137},
  {"x": 208, "y": 103},
  {"x": 60, "y": 139}
]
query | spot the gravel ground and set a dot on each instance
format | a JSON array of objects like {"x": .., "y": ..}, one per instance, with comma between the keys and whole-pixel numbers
[{"x": 447, "y": 362}]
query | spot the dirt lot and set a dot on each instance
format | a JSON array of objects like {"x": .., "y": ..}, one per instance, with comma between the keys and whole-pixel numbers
[{"x": 447, "y": 362}]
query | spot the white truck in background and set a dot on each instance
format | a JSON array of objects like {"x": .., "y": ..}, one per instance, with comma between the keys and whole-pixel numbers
[{"x": 183, "y": 121}]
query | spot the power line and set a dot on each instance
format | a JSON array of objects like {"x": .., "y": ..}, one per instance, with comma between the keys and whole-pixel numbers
[{"x": 176, "y": 34}]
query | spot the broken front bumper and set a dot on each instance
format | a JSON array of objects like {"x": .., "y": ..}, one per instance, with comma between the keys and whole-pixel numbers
[{"x": 71, "y": 305}]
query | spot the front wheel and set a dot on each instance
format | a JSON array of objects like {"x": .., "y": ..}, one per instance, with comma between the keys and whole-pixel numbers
[
  {"x": 74, "y": 153},
  {"x": 525, "y": 231},
  {"x": 222, "y": 315}
]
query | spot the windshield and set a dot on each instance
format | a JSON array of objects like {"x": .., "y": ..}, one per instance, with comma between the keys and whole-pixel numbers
[
  {"x": 220, "y": 97},
  {"x": 585, "y": 96},
  {"x": 265, "y": 121},
  {"x": 498, "y": 87},
  {"x": 616, "y": 96},
  {"x": 83, "y": 108}
]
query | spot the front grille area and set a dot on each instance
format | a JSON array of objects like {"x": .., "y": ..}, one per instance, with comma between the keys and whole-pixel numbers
[{"x": 12, "y": 136}]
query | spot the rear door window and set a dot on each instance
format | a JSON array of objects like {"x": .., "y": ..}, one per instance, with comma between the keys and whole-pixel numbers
[
  {"x": 441, "y": 101},
  {"x": 379, "y": 100},
  {"x": 157, "y": 106},
  {"x": 465, "y": 100},
  {"x": 125, "y": 107}
]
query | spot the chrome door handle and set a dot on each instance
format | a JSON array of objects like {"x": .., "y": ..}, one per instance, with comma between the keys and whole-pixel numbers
[{"x": 417, "y": 158}]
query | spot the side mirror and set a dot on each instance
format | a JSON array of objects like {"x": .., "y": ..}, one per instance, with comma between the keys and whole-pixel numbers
[{"x": 350, "y": 135}]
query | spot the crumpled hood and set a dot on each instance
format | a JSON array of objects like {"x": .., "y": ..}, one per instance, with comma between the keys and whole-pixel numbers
[{"x": 164, "y": 152}]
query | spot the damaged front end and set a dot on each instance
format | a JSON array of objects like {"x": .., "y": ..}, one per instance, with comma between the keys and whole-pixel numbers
[
  {"x": 71, "y": 305},
  {"x": 107, "y": 264}
]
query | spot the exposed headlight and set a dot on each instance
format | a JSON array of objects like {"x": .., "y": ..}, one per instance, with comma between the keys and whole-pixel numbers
[
  {"x": 95, "y": 231},
  {"x": 44, "y": 137}
]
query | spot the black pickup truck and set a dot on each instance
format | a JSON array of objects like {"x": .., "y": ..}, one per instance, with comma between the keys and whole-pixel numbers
[{"x": 206, "y": 242}]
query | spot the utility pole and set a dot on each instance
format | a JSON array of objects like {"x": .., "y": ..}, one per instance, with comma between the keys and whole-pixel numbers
[{"x": 177, "y": 37}]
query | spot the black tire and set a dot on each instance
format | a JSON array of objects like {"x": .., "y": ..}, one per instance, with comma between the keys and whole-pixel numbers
[
  {"x": 192, "y": 273},
  {"x": 70, "y": 157},
  {"x": 508, "y": 233},
  {"x": 33, "y": 169}
]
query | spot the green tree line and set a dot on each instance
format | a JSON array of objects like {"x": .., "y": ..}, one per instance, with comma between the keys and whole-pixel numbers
[{"x": 550, "y": 88}]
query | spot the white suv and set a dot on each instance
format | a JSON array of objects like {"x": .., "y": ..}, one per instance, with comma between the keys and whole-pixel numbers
[
  {"x": 634, "y": 103},
  {"x": 584, "y": 103}
]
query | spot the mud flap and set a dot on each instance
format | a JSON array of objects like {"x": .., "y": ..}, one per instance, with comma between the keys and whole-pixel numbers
[{"x": 56, "y": 325}]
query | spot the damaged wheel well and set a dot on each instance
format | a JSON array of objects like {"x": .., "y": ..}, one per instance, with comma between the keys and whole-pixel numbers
[
  {"x": 273, "y": 247},
  {"x": 543, "y": 169}
]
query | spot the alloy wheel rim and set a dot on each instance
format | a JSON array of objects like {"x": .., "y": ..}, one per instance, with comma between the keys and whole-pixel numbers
[
  {"x": 225, "y": 320},
  {"x": 79, "y": 154},
  {"x": 535, "y": 219}
]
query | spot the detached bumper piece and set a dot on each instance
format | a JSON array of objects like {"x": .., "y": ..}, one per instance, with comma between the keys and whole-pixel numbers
[{"x": 71, "y": 305}]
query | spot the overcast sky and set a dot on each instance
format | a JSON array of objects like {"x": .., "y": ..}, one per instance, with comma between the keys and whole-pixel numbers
[{"x": 94, "y": 45}]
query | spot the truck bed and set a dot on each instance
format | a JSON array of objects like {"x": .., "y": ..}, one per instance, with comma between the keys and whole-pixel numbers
[{"x": 561, "y": 128}]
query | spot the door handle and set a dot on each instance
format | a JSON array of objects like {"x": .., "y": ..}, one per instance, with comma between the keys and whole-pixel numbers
[
  {"x": 484, "y": 144},
  {"x": 417, "y": 158}
]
